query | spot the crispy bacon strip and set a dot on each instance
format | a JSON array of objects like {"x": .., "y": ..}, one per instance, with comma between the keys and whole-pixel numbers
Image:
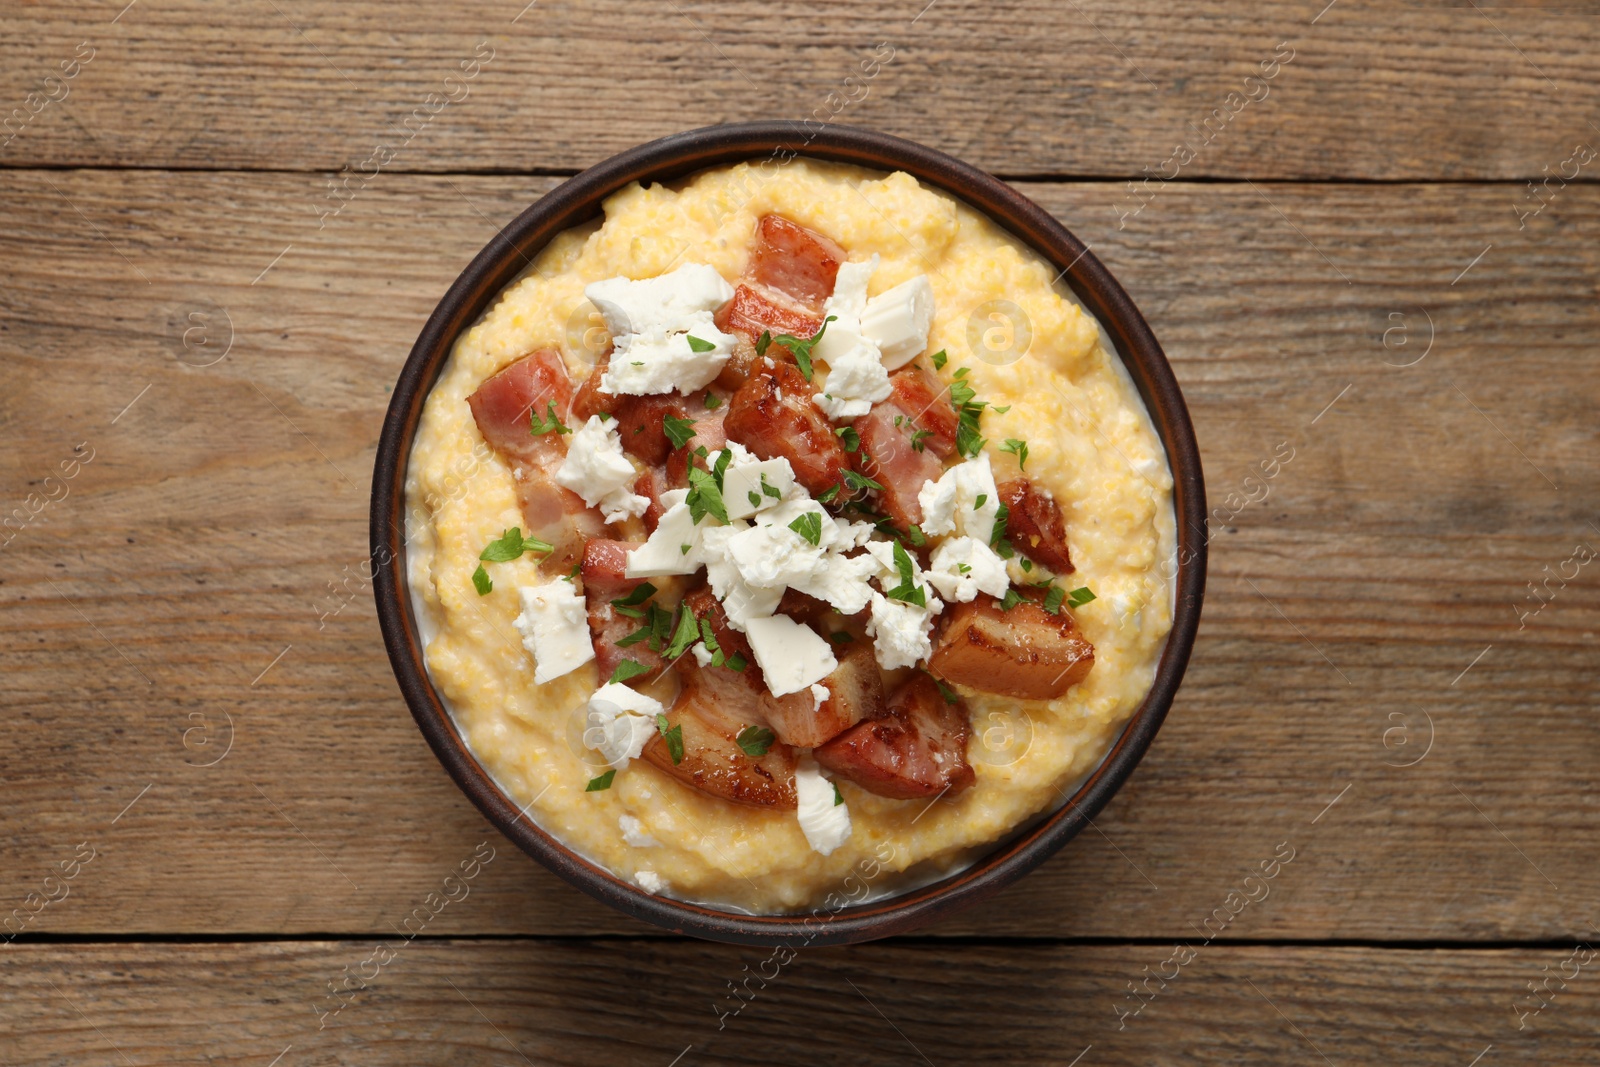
[
  {"x": 1025, "y": 652},
  {"x": 794, "y": 260},
  {"x": 855, "y": 692},
  {"x": 916, "y": 747},
  {"x": 747, "y": 316},
  {"x": 713, "y": 762},
  {"x": 709, "y": 432},
  {"x": 904, "y": 439},
  {"x": 504, "y": 402},
  {"x": 772, "y": 414},
  {"x": 1034, "y": 525},
  {"x": 604, "y": 580}
]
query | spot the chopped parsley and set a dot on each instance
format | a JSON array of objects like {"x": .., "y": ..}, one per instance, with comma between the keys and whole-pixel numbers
[
  {"x": 1018, "y": 449},
  {"x": 918, "y": 538},
  {"x": 755, "y": 498},
  {"x": 755, "y": 740},
  {"x": 916, "y": 440},
  {"x": 1001, "y": 411},
  {"x": 939, "y": 359},
  {"x": 839, "y": 637},
  {"x": 1002, "y": 516},
  {"x": 713, "y": 401},
  {"x": 627, "y": 669},
  {"x": 673, "y": 736},
  {"x": 628, "y": 605},
  {"x": 963, "y": 568},
  {"x": 962, "y": 373},
  {"x": 770, "y": 490},
  {"x": 808, "y": 526},
  {"x": 798, "y": 347},
  {"x": 1027, "y": 564},
  {"x": 907, "y": 590},
  {"x": 678, "y": 430},
  {"x": 683, "y": 550},
  {"x": 602, "y": 782},
  {"x": 737, "y": 662},
  {"x": 1053, "y": 599},
  {"x": 851, "y": 439},
  {"x": 950, "y": 695},
  {"x": 856, "y": 480},
  {"x": 827, "y": 495},
  {"x": 969, "y": 442},
  {"x": 1080, "y": 596},
  {"x": 577, "y": 569},
  {"x": 720, "y": 468},
  {"x": 705, "y": 496},
  {"x": 687, "y": 633},
  {"x": 697, "y": 345},
  {"x": 511, "y": 545},
  {"x": 977, "y": 505},
  {"x": 480, "y": 580},
  {"x": 837, "y": 797},
  {"x": 551, "y": 424},
  {"x": 1010, "y": 600},
  {"x": 656, "y": 629}
]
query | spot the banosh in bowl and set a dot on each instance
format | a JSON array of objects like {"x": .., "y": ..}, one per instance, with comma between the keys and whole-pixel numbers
[{"x": 579, "y": 200}]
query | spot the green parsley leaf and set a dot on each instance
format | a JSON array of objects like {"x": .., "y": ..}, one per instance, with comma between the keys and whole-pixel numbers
[
  {"x": 1026, "y": 563},
  {"x": 916, "y": 440},
  {"x": 701, "y": 452},
  {"x": 512, "y": 544},
  {"x": 713, "y": 401},
  {"x": 644, "y": 591},
  {"x": 602, "y": 782},
  {"x": 628, "y": 668},
  {"x": 898, "y": 419},
  {"x": 673, "y": 735},
  {"x": 770, "y": 490},
  {"x": 963, "y": 372},
  {"x": 550, "y": 425},
  {"x": 480, "y": 579},
  {"x": 827, "y": 495},
  {"x": 763, "y": 342},
  {"x": 683, "y": 550},
  {"x": 950, "y": 695},
  {"x": 755, "y": 498},
  {"x": 755, "y": 740},
  {"x": 977, "y": 505},
  {"x": 1018, "y": 449},
  {"x": 737, "y": 662},
  {"x": 719, "y": 469},
  {"x": 856, "y": 480},
  {"x": 1002, "y": 516},
  {"x": 961, "y": 394},
  {"x": 837, "y": 798},
  {"x": 678, "y": 430},
  {"x": 577, "y": 569},
  {"x": 697, "y": 345},
  {"x": 1080, "y": 596},
  {"x": 939, "y": 358},
  {"x": 687, "y": 633},
  {"x": 798, "y": 347},
  {"x": 705, "y": 497},
  {"x": 851, "y": 439},
  {"x": 963, "y": 568},
  {"x": 918, "y": 538},
  {"x": 808, "y": 526},
  {"x": 906, "y": 591},
  {"x": 1001, "y": 411},
  {"x": 1052, "y": 599},
  {"x": 634, "y": 638},
  {"x": 709, "y": 636},
  {"x": 660, "y": 627},
  {"x": 1003, "y": 549},
  {"x": 1010, "y": 600},
  {"x": 839, "y": 637}
]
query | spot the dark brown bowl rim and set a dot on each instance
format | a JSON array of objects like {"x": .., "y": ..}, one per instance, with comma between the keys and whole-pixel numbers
[{"x": 578, "y": 200}]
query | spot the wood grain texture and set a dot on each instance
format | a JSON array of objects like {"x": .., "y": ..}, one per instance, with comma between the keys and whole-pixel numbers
[
  {"x": 203, "y": 568},
  {"x": 1023, "y": 87},
  {"x": 646, "y": 1002}
]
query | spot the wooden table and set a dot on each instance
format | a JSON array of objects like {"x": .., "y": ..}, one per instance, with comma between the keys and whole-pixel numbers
[{"x": 222, "y": 808}]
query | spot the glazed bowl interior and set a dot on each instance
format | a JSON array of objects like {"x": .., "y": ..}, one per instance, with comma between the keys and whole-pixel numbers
[{"x": 580, "y": 200}]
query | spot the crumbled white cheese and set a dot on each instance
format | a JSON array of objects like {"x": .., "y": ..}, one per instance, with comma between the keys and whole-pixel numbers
[
  {"x": 985, "y": 570},
  {"x": 964, "y": 499},
  {"x": 791, "y": 654},
  {"x": 849, "y": 297},
  {"x": 825, "y": 822},
  {"x": 820, "y": 694},
  {"x": 771, "y": 555},
  {"x": 897, "y": 321},
  {"x": 741, "y": 601},
  {"x": 856, "y": 377},
  {"x": 663, "y": 551},
  {"x": 901, "y": 632},
  {"x": 649, "y": 880},
  {"x": 596, "y": 470},
  {"x": 555, "y": 628},
  {"x": 702, "y": 654},
  {"x": 633, "y": 832},
  {"x": 651, "y": 321},
  {"x": 745, "y": 485},
  {"x": 618, "y": 723}
]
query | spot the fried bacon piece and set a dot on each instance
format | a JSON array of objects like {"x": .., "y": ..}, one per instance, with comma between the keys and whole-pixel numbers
[
  {"x": 503, "y": 406},
  {"x": 709, "y": 433},
  {"x": 1025, "y": 652},
  {"x": 713, "y": 762},
  {"x": 605, "y": 579},
  {"x": 504, "y": 403},
  {"x": 772, "y": 414},
  {"x": 855, "y": 692},
  {"x": 588, "y": 400},
  {"x": 1034, "y": 525},
  {"x": 640, "y": 422},
  {"x": 794, "y": 260},
  {"x": 916, "y": 747},
  {"x": 651, "y": 483},
  {"x": 904, "y": 439},
  {"x": 747, "y": 316}
]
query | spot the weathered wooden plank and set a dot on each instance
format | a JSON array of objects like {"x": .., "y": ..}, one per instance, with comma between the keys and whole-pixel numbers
[
  {"x": 202, "y": 564},
  {"x": 1020, "y": 87},
  {"x": 646, "y": 1002}
]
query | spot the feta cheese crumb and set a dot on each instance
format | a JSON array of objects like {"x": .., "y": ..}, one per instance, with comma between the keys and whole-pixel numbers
[
  {"x": 619, "y": 722},
  {"x": 789, "y": 653},
  {"x": 741, "y": 601},
  {"x": 651, "y": 321},
  {"x": 825, "y": 823},
  {"x": 964, "y": 499},
  {"x": 985, "y": 570},
  {"x": 649, "y": 880},
  {"x": 901, "y": 632},
  {"x": 555, "y": 628},
  {"x": 633, "y": 832},
  {"x": 772, "y": 556},
  {"x": 898, "y": 321},
  {"x": 820, "y": 694},
  {"x": 856, "y": 376},
  {"x": 702, "y": 654},
  {"x": 745, "y": 485},
  {"x": 849, "y": 297},
  {"x": 663, "y": 552},
  {"x": 596, "y": 470}
]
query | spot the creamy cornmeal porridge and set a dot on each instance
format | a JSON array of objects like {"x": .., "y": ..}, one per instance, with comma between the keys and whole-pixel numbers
[{"x": 757, "y": 543}]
